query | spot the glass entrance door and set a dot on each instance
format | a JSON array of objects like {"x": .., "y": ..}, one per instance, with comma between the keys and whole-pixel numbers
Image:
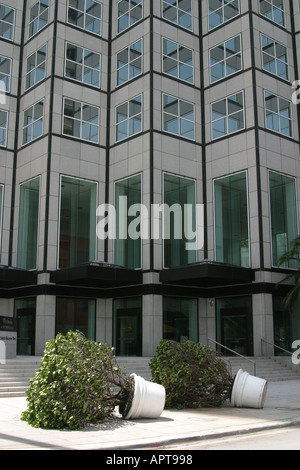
[
  {"x": 234, "y": 320},
  {"x": 128, "y": 327},
  {"x": 25, "y": 314}
]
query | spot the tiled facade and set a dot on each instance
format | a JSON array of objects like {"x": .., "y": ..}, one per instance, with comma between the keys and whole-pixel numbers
[{"x": 153, "y": 99}]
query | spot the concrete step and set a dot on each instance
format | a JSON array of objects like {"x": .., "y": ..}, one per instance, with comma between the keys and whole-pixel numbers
[{"x": 268, "y": 368}]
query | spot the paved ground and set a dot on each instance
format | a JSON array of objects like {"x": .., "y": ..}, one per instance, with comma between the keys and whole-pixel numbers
[{"x": 282, "y": 408}]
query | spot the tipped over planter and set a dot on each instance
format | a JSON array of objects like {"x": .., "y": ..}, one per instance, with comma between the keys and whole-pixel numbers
[
  {"x": 248, "y": 391},
  {"x": 148, "y": 400}
]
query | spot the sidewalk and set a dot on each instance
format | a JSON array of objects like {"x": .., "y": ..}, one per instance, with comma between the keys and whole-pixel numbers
[{"x": 282, "y": 408}]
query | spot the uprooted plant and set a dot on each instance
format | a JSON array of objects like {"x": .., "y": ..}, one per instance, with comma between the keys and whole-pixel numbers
[
  {"x": 193, "y": 375},
  {"x": 79, "y": 382}
]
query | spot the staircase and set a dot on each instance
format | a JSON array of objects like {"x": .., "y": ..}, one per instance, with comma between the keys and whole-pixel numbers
[
  {"x": 15, "y": 375},
  {"x": 136, "y": 365},
  {"x": 272, "y": 369}
]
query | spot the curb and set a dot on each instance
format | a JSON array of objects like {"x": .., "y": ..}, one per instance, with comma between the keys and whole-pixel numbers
[{"x": 210, "y": 435}]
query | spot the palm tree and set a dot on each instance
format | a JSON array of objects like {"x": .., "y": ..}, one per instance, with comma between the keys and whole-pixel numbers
[{"x": 293, "y": 296}]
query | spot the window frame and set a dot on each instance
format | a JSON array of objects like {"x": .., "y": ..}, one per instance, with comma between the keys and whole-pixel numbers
[
  {"x": 4, "y": 128},
  {"x": 228, "y": 176},
  {"x": 294, "y": 179},
  {"x": 179, "y": 118},
  {"x": 84, "y": 13},
  {"x": 210, "y": 28},
  {"x": 33, "y": 122},
  {"x": 117, "y": 239},
  {"x": 127, "y": 120},
  {"x": 18, "y": 264},
  {"x": 275, "y": 43},
  {"x": 163, "y": 3},
  {"x": 271, "y": 3},
  {"x": 290, "y": 118},
  {"x": 130, "y": 10},
  {"x": 6, "y": 22},
  {"x": 83, "y": 66},
  {"x": 9, "y": 59},
  {"x": 178, "y": 62},
  {"x": 81, "y": 121},
  {"x": 96, "y": 186},
  {"x": 226, "y": 98},
  {"x": 225, "y": 59},
  {"x": 36, "y": 67},
  {"x": 129, "y": 62},
  {"x": 31, "y": 22}
]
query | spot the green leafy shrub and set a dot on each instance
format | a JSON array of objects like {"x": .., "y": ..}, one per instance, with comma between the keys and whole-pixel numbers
[
  {"x": 193, "y": 375},
  {"x": 73, "y": 385}
]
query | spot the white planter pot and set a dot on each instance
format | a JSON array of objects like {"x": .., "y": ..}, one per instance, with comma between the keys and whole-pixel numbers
[
  {"x": 248, "y": 391},
  {"x": 148, "y": 400}
]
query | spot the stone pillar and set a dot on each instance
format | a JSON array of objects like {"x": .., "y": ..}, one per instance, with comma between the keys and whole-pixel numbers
[
  {"x": 152, "y": 323},
  {"x": 262, "y": 307},
  {"x": 45, "y": 322}
]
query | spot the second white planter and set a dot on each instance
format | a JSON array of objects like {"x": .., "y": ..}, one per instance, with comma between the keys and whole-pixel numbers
[
  {"x": 148, "y": 400},
  {"x": 248, "y": 391}
]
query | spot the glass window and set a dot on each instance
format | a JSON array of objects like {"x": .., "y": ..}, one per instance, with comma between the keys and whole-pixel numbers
[
  {"x": 278, "y": 114},
  {"x": 225, "y": 59},
  {"x": 231, "y": 220},
  {"x": 283, "y": 206},
  {"x": 179, "y": 220},
  {"x": 86, "y": 14},
  {"x": 221, "y": 11},
  {"x": 128, "y": 248},
  {"x": 76, "y": 314},
  {"x": 286, "y": 321},
  {"x": 180, "y": 319},
  {"x": 178, "y": 61},
  {"x": 274, "y": 10},
  {"x": 129, "y": 13},
  {"x": 129, "y": 62},
  {"x": 25, "y": 313},
  {"x": 234, "y": 321},
  {"x": 38, "y": 18},
  {"x": 81, "y": 120},
  {"x": 274, "y": 57},
  {"x": 82, "y": 65},
  {"x": 28, "y": 224},
  {"x": 36, "y": 67},
  {"x": 5, "y": 73},
  {"x": 1, "y": 209},
  {"x": 228, "y": 115},
  {"x": 7, "y": 21},
  {"x": 77, "y": 228},
  {"x": 178, "y": 117},
  {"x": 178, "y": 12},
  {"x": 33, "y": 122},
  {"x": 3, "y": 127},
  {"x": 129, "y": 118},
  {"x": 127, "y": 326}
]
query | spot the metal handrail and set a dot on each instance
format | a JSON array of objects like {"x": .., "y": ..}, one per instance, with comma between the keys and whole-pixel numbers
[
  {"x": 275, "y": 346},
  {"x": 234, "y": 352}
]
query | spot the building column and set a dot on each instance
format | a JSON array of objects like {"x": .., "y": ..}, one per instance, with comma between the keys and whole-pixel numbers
[
  {"x": 262, "y": 307},
  {"x": 152, "y": 323},
  {"x": 104, "y": 320},
  {"x": 45, "y": 322}
]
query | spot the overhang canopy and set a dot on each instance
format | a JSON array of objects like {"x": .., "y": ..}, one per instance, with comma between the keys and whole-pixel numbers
[
  {"x": 97, "y": 275},
  {"x": 14, "y": 277},
  {"x": 207, "y": 274}
]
